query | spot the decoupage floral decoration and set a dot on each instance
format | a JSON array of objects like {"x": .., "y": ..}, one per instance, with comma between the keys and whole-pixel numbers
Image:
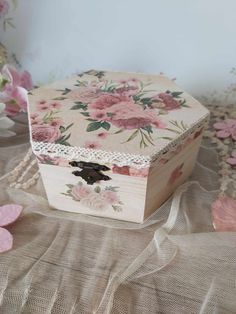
[
  {"x": 9, "y": 213},
  {"x": 95, "y": 198},
  {"x": 49, "y": 127},
  {"x": 124, "y": 105},
  {"x": 222, "y": 133}
]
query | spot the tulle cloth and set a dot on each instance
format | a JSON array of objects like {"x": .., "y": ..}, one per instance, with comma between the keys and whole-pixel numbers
[{"x": 71, "y": 263}]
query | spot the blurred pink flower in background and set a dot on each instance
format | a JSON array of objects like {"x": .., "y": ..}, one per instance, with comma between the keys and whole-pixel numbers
[
  {"x": 224, "y": 214},
  {"x": 14, "y": 86},
  {"x": 226, "y": 128},
  {"x": 232, "y": 160},
  {"x": 4, "y": 8}
]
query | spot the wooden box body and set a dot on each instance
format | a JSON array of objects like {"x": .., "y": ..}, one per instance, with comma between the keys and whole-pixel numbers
[{"x": 143, "y": 128}]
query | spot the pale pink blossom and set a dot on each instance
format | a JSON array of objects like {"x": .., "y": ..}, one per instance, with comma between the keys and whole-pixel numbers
[
  {"x": 102, "y": 135},
  {"x": 110, "y": 196},
  {"x": 224, "y": 214},
  {"x": 80, "y": 191},
  {"x": 4, "y": 8},
  {"x": 16, "y": 78},
  {"x": 99, "y": 115},
  {"x": 92, "y": 145},
  {"x": 232, "y": 160},
  {"x": 45, "y": 133},
  {"x": 55, "y": 105},
  {"x": 15, "y": 99},
  {"x": 42, "y": 105},
  {"x": 226, "y": 128},
  {"x": 83, "y": 94}
]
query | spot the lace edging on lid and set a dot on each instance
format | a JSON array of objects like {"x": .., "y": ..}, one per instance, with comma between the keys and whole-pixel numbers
[{"x": 120, "y": 159}]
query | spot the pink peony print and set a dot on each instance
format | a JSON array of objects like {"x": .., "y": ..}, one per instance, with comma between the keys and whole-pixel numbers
[
  {"x": 110, "y": 196},
  {"x": 224, "y": 214},
  {"x": 83, "y": 94},
  {"x": 226, "y": 128},
  {"x": 92, "y": 145},
  {"x": 167, "y": 101},
  {"x": 104, "y": 101},
  {"x": 45, "y": 133},
  {"x": 128, "y": 115},
  {"x": 102, "y": 135},
  {"x": 80, "y": 191},
  {"x": 4, "y": 8},
  {"x": 232, "y": 160},
  {"x": 43, "y": 105}
]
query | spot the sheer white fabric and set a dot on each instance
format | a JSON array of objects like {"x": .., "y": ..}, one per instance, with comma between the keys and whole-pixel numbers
[{"x": 70, "y": 263}]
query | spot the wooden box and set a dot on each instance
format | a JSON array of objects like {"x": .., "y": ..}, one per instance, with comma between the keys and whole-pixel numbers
[{"x": 114, "y": 144}]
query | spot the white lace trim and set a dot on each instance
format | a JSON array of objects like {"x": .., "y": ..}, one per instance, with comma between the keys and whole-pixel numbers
[{"x": 101, "y": 156}]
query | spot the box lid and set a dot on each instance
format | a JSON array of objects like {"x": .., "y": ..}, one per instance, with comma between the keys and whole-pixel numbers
[{"x": 120, "y": 118}]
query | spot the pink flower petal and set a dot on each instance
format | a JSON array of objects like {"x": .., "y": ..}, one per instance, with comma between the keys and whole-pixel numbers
[
  {"x": 223, "y": 134},
  {"x": 6, "y": 240},
  {"x": 220, "y": 125},
  {"x": 9, "y": 213},
  {"x": 231, "y": 161}
]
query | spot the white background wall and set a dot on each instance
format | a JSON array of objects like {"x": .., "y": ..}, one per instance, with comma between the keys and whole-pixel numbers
[{"x": 194, "y": 41}]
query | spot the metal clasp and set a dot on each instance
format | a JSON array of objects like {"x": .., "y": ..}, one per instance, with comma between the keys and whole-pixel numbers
[{"x": 91, "y": 172}]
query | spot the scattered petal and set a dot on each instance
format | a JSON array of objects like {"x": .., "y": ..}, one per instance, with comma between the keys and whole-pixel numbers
[
  {"x": 9, "y": 213},
  {"x": 6, "y": 240}
]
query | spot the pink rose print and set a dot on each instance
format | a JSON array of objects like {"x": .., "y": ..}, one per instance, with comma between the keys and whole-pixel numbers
[
  {"x": 226, "y": 128},
  {"x": 102, "y": 135},
  {"x": 45, "y": 133},
  {"x": 92, "y": 145},
  {"x": 80, "y": 191},
  {"x": 4, "y": 8},
  {"x": 104, "y": 101},
  {"x": 9, "y": 213},
  {"x": 83, "y": 94},
  {"x": 224, "y": 214},
  {"x": 129, "y": 116},
  {"x": 110, "y": 196},
  {"x": 95, "y": 198},
  {"x": 166, "y": 101},
  {"x": 232, "y": 159},
  {"x": 176, "y": 174}
]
